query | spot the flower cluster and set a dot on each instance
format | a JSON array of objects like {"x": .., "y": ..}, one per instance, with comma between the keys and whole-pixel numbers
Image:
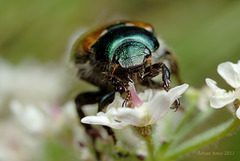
[
  {"x": 156, "y": 103},
  {"x": 30, "y": 104},
  {"x": 231, "y": 74},
  {"x": 39, "y": 112}
]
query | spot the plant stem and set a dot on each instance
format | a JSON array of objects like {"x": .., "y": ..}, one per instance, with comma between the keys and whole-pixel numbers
[
  {"x": 150, "y": 147},
  {"x": 192, "y": 106},
  {"x": 192, "y": 98}
]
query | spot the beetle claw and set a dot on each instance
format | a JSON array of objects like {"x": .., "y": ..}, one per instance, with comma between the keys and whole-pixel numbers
[
  {"x": 176, "y": 106},
  {"x": 166, "y": 84}
]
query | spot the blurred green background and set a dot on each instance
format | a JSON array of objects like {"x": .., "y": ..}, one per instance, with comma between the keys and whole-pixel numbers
[{"x": 203, "y": 34}]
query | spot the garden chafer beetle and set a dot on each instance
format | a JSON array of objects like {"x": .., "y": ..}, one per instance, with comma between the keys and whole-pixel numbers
[{"x": 113, "y": 55}]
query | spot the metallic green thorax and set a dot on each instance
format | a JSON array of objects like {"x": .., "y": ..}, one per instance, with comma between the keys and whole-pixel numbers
[{"x": 128, "y": 45}]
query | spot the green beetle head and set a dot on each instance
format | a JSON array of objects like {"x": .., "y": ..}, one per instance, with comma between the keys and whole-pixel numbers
[
  {"x": 127, "y": 46},
  {"x": 131, "y": 54}
]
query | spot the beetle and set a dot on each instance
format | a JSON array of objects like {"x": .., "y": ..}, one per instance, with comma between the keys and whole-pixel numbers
[{"x": 117, "y": 53}]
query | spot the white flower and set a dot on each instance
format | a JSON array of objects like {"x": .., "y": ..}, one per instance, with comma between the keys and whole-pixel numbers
[
  {"x": 156, "y": 103},
  {"x": 45, "y": 119},
  {"x": 16, "y": 144},
  {"x": 32, "y": 82},
  {"x": 29, "y": 116},
  {"x": 231, "y": 74}
]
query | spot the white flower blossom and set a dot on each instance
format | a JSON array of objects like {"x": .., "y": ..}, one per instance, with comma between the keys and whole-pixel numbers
[
  {"x": 32, "y": 82},
  {"x": 18, "y": 145},
  {"x": 31, "y": 104},
  {"x": 156, "y": 103},
  {"x": 231, "y": 74},
  {"x": 29, "y": 116},
  {"x": 44, "y": 119}
]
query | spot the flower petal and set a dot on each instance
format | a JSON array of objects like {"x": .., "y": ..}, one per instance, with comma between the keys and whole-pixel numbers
[
  {"x": 103, "y": 119},
  {"x": 118, "y": 118},
  {"x": 230, "y": 73},
  {"x": 162, "y": 101},
  {"x": 218, "y": 101},
  {"x": 220, "y": 97},
  {"x": 132, "y": 116},
  {"x": 213, "y": 86},
  {"x": 176, "y": 92},
  {"x": 238, "y": 112},
  {"x": 117, "y": 102}
]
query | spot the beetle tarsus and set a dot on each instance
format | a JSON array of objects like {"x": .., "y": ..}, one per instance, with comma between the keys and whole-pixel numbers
[
  {"x": 176, "y": 105},
  {"x": 165, "y": 77},
  {"x": 156, "y": 68},
  {"x": 166, "y": 84},
  {"x": 120, "y": 87}
]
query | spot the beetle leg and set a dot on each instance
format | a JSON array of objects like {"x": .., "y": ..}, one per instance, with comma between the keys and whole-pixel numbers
[
  {"x": 108, "y": 98},
  {"x": 84, "y": 99},
  {"x": 120, "y": 87},
  {"x": 165, "y": 77},
  {"x": 151, "y": 84},
  {"x": 156, "y": 70},
  {"x": 141, "y": 74},
  {"x": 127, "y": 98},
  {"x": 176, "y": 105},
  {"x": 81, "y": 100},
  {"x": 172, "y": 60},
  {"x": 111, "y": 133}
]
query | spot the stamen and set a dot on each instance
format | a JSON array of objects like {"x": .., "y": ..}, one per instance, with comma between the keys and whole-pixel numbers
[{"x": 135, "y": 99}]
